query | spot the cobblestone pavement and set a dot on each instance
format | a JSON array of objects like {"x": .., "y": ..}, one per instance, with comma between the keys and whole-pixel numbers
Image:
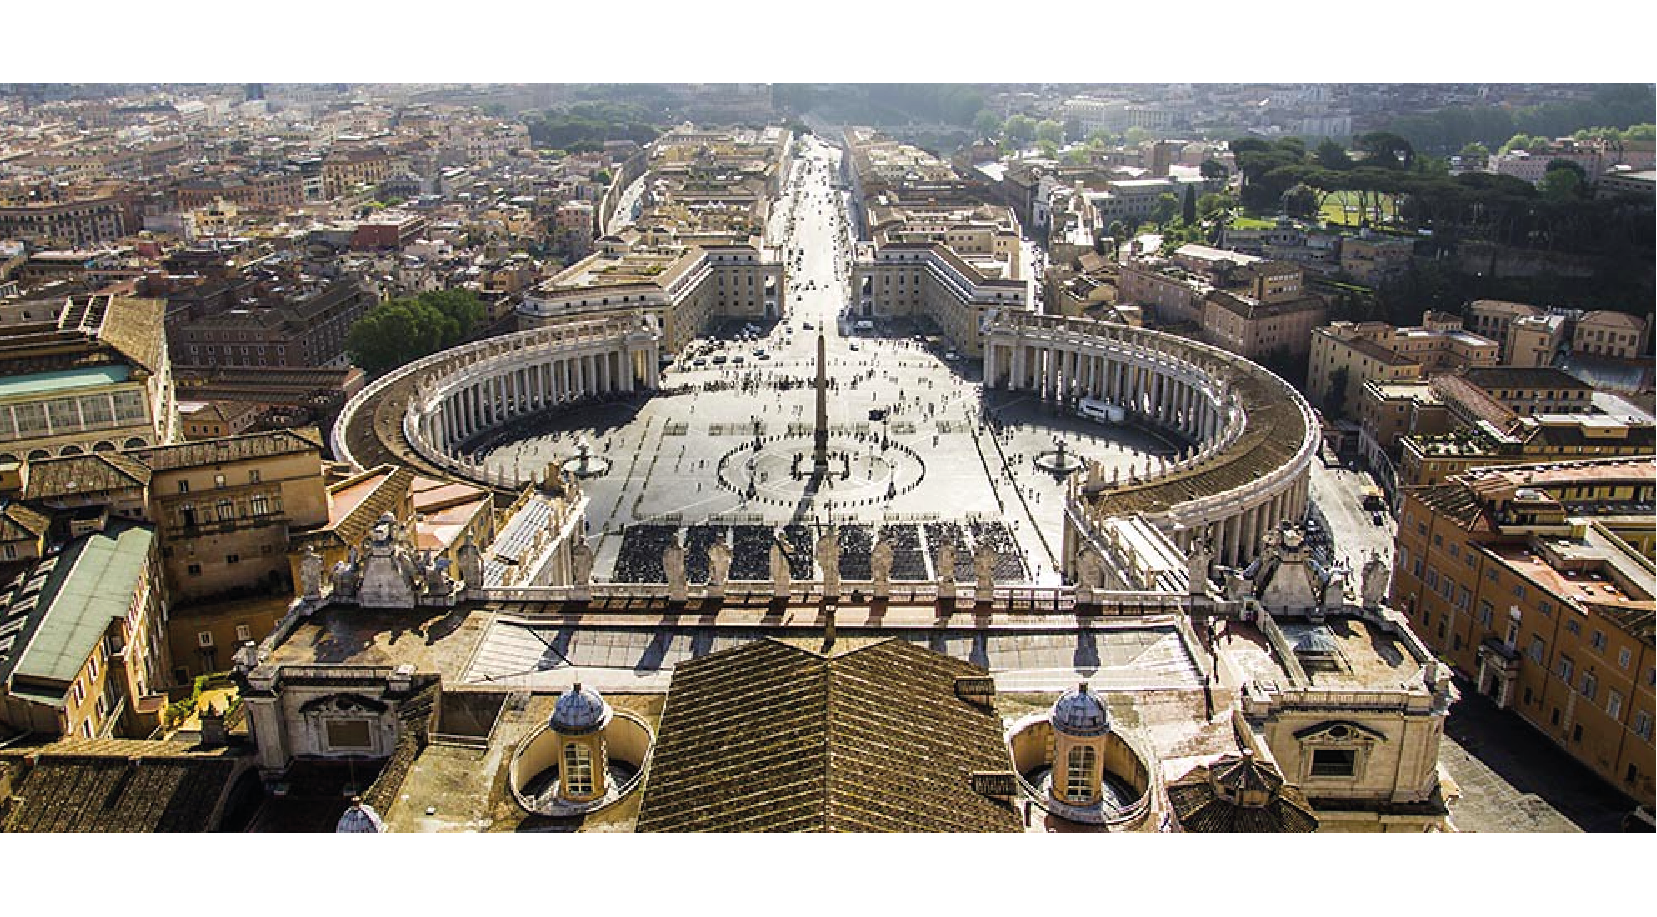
[{"x": 1513, "y": 780}]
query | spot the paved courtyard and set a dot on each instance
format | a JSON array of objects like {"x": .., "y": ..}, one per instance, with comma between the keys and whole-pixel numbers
[
  {"x": 1514, "y": 780},
  {"x": 543, "y": 658},
  {"x": 912, "y": 435}
]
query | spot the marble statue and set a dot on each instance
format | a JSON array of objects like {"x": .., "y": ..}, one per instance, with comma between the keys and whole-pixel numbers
[
  {"x": 828, "y": 559},
  {"x": 673, "y": 562},
  {"x": 983, "y": 564},
  {"x": 782, "y": 578},
  {"x": 310, "y": 573},
  {"x": 471, "y": 563},
  {"x": 946, "y": 564},
  {"x": 1375, "y": 580},
  {"x": 1089, "y": 574},
  {"x": 1197, "y": 563},
  {"x": 719, "y": 563},
  {"x": 581, "y": 561},
  {"x": 880, "y": 566}
]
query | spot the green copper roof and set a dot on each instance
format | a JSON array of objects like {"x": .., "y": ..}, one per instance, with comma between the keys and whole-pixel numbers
[
  {"x": 94, "y": 582},
  {"x": 62, "y": 380}
]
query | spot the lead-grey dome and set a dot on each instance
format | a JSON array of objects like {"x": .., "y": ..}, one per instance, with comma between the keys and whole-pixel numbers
[
  {"x": 1081, "y": 713},
  {"x": 360, "y": 819},
  {"x": 1318, "y": 642},
  {"x": 580, "y": 711}
]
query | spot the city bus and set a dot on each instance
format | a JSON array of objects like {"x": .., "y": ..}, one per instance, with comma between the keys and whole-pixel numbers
[{"x": 1101, "y": 411}]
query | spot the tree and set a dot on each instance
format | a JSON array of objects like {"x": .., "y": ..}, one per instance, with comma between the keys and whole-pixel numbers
[
  {"x": 1073, "y": 129},
  {"x": 1100, "y": 139},
  {"x": 1051, "y": 131},
  {"x": 1135, "y": 135},
  {"x": 1049, "y": 149},
  {"x": 1210, "y": 206},
  {"x": 1516, "y": 142},
  {"x": 1474, "y": 152},
  {"x": 1077, "y": 156},
  {"x": 1166, "y": 206},
  {"x": 1019, "y": 128},
  {"x": 1335, "y": 404},
  {"x": 1331, "y": 155},
  {"x": 987, "y": 123},
  {"x": 1387, "y": 150},
  {"x": 1640, "y": 132},
  {"x": 1300, "y": 201},
  {"x": 401, "y": 330},
  {"x": 1188, "y": 207},
  {"x": 1214, "y": 172},
  {"x": 1563, "y": 181}
]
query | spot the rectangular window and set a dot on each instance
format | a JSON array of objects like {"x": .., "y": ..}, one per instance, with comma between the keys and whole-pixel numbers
[
  {"x": 1574, "y": 628},
  {"x": 232, "y": 558},
  {"x": 1590, "y": 686},
  {"x": 1642, "y": 725},
  {"x": 253, "y": 476},
  {"x": 1566, "y": 670},
  {"x": 243, "y": 633},
  {"x": 1334, "y": 762},
  {"x": 259, "y": 505},
  {"x": 218, "y": 480},
  {"x": 1622, "y": 658},
  {"x": 1538, "y": 648},
  {"x": 183, "y": 487},
  {"x": 1613, "y": 704},
  {"x": 194, "y": 570},
  {"x": 1432, "y": 578},
  {"x": 78, "y": 691},
  {"x": 1485, "y": 612},
  {"x": 1597, "y": 640},
  {"x": 348, "y": 734}
]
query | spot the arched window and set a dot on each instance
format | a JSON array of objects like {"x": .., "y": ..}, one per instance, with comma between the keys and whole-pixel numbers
[
  {"x": 1079, "y": 774},
  {"x": 578, "y": 770}
]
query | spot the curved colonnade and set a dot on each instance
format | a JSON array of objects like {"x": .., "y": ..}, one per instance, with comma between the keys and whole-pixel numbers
[
  {"x": 455, "y": 396},
  {"x": 1253, "y": 436}
]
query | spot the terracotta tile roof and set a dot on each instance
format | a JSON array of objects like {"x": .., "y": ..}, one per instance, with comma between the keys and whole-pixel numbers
[
  {"x": 135, "y": 328},
  {"x": 127, "y": 786},
  {"x": 1270, "y": 439},
  {"x": 352, "y": 526},
  {"x": 94, "y": 472},
  {"x": 18, "y": 522},
  {"x": 773, "y": 737},
  {"x": 230, "y": 448},
  {"x": 1207, "y": 800}
]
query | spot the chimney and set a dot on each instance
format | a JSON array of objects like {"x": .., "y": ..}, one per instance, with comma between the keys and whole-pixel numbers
[{"x": 975, "y": 689}]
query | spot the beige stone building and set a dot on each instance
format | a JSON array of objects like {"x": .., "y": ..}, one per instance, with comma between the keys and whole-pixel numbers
[
  {"x": 1610, "y": 334},
  {"x": 83, "y": 652},
  {"x": 1537, "y": 581},
  {"x": 1359, "y": 353},
  {"x": 94, "y": 377},
  {"x": 227, "y": 507}
]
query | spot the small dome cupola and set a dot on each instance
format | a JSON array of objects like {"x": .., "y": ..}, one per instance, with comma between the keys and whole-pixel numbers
[
  {"x": 580, "y": 711},
  {"x": 1244, "y": 782},
  {"x": 360, "y": 819},
  {"x": 1080, "y": 713}
]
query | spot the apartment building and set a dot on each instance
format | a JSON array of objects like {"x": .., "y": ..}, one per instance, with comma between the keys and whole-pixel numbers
[
  {"x": 226, "y": 508},
  {"x": 1427, "y": 458},
  {"x": 286, "y": 321},
  {"x": 1347, "y": 355},
  {"x": 82, "y": 649},
  {"x": 1610, "y": 334},
  {"x": 1537, "y": 580},
  {"x": 68, "y": 223},
  {"x": 95, "y": 376}
]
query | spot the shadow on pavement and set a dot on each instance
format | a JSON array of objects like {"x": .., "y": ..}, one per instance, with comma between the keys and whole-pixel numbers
[{"x": 1531, "y": 763}]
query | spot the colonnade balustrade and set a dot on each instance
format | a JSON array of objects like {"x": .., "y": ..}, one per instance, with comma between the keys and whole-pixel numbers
[
  {"x": 466, "y": 391},
  {"x": 1183, "y": 386}
]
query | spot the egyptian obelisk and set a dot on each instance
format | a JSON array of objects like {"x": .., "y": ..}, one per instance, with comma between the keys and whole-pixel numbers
[{"x": 819, "y": 437}]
